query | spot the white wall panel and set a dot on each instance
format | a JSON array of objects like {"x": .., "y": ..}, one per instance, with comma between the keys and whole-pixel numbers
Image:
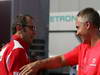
[
  {"x": 64, "y": 5},
  {"x": 90, "y": 3},
  {"x": 60, "y": 43}
]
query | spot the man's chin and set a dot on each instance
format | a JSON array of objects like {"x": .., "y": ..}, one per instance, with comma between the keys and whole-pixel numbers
[{"x": 82, "y": 39}]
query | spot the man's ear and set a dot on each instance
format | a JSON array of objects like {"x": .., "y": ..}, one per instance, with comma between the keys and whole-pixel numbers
[
  {"x": 88, "y": 25},
  {"x": 18, "y": 27}
]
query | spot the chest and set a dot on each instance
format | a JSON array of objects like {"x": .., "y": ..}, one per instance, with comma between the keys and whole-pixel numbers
[{"x": 89, "y": 60}]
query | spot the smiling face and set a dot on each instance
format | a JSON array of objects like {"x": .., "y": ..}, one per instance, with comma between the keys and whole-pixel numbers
[
  {"x": 82, "y": 28},
  {"x": 88, "y": 24}
]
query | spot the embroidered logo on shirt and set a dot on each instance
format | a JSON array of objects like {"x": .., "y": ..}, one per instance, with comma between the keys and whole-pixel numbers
[{"x": 93, "y": 63}]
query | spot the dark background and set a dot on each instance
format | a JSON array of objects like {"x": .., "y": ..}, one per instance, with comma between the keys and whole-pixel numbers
[{"x": 5, "y": 17}]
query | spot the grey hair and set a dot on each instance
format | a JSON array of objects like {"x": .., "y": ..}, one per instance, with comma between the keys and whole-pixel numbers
[{"x": 91, "y": 15}]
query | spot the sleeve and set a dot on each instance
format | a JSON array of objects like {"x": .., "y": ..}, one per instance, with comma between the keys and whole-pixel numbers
[
  {"x": 17, "y": 59},
  {"x": 71, "y": 58}
]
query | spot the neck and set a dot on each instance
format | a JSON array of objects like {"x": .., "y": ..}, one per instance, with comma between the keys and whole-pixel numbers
[
  {"x": 19, "y": 34},
  {"x": 94, "y": 38}
]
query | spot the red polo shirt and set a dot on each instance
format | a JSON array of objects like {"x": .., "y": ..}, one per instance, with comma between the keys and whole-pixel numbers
[
  {"x": 13, "y": 56},
  {"x": 88, "y": 59}
]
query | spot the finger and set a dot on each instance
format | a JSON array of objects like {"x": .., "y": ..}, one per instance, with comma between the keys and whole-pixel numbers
[
  {"x": 30, "y": 72},
  {"x": 22, "y": 67},
  {"x": 25, "y": 70}
]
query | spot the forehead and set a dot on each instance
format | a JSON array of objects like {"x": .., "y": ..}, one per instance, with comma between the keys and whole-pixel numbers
[
  {"x": 82, "y": 18},
  {"x": 79, "y": 21},
  {"x": 29, "y": 19}
]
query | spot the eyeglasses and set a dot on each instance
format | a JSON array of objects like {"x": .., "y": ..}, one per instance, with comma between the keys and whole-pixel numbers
[{"x": 32, "y": 27}]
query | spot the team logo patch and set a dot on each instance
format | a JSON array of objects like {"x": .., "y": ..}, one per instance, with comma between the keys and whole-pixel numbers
[{"x": 93, "y": 63}]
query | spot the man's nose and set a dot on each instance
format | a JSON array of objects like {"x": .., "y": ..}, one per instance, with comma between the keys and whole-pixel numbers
[{"x": 77, "y": 33}]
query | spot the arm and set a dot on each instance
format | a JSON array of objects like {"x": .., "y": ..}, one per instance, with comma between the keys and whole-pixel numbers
[
  {"x": 70, "y": 58},
  {"x": 52, "y": 63},
  {"x": 49, "y": 63}
]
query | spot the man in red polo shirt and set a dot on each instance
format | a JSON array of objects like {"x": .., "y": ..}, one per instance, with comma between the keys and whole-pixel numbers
[
  {"x": 86, "y": 55},
  {"x": 15, "y": 53}
]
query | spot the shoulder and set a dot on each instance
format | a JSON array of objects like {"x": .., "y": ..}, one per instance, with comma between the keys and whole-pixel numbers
[{"x": 17, "y": 44}]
